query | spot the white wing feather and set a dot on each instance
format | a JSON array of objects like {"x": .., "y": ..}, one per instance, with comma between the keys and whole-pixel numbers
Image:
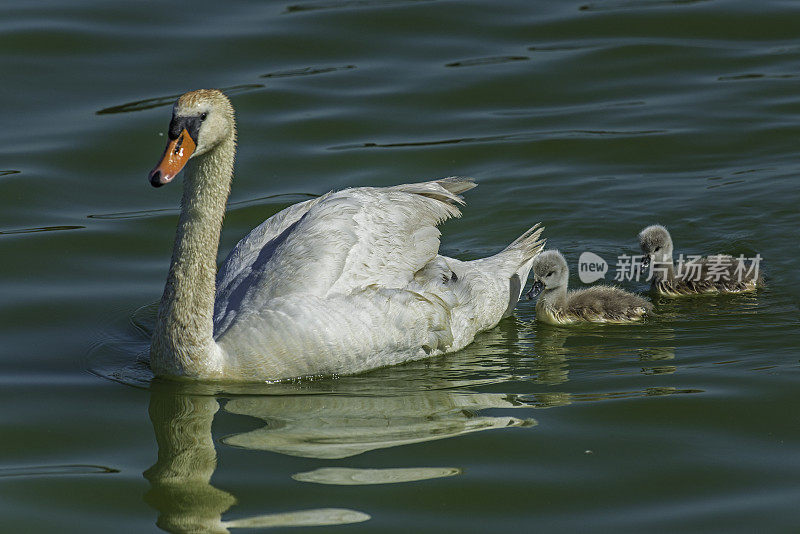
[{"x": 338, "y": 243}]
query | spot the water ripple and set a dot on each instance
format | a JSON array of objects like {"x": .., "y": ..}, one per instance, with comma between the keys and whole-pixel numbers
[
  {"x": 527, "y": 136},
  {"x": 150, "y": 103},
  {"x": 41, "y": 229},
  {"x": 487, "y": 61},
  {"x": 143, "y": 214},
  {"x": 630, "y": 4},
  {"x": 305, "y": 71},
  {"x": 348, "y": 4},
  {"x": 557, "y": 48},
  {"x": 554, "y": 399},
  {"x": 755, "y": 76},
  {"x": 56, "y": 470}
]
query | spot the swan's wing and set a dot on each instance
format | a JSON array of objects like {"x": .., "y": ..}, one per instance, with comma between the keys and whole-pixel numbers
[
  {"x": 244, "y": 254},
  {"x": 359, "y": 237},
  {"x": 346, "y": 241}
]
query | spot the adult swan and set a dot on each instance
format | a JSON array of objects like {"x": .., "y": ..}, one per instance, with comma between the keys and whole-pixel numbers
[{"x": 342, "y": 283}]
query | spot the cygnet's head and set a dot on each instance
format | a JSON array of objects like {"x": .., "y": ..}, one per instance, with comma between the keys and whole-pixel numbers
[
  {"x": 656, "y": 245},
  {"x": 550, "y": 271},
  {"x": 201, "y": 120}
]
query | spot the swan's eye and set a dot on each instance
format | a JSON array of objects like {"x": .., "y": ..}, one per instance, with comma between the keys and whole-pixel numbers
[
  {"x": 203, "y": 116},
  {"x": 657, "y": 249},
  {"x": 550, "y": 274}
]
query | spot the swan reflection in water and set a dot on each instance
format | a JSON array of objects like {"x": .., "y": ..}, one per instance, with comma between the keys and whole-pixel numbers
[
  {"x": 334, "y": 426},
  {"x": 180, "y": 480},
  {"x": 340, "y": 418},
  {"x": 323, "y": 419}
]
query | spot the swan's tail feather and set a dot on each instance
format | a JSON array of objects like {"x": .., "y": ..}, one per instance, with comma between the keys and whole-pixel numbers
[
  {"x": 457, "y": 184},
  {"x": 521, "y": 252},
  {"x": 446, "y": 190},
  {"x": 505, "y": 273},
  {"x": 528, "y": 243}
]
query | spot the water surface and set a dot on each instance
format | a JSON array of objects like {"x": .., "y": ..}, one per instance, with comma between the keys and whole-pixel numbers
[{"x": 595, "y": 117}]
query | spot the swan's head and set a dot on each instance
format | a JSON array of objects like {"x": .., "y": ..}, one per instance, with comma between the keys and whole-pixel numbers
[
  {"x": 201, "y": 120},
  {"x": 550, "y": 271},
  {"x": 656, "y": 245}
]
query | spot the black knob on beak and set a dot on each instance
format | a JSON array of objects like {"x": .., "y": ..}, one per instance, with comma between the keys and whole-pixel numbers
[{"x": 536, "y": 288}]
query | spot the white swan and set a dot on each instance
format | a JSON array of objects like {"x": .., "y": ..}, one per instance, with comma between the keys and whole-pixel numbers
[{"x": 342, "y": 283}]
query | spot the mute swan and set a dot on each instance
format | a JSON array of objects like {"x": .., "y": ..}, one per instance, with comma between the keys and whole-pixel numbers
[
  {"x": 339, "y": 284},
  {"x": 598, "y": 304},
  {"x": 714, "y": 274}
]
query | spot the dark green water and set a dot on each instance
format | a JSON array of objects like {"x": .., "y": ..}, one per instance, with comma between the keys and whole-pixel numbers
[{"x": 595, "y": 117}]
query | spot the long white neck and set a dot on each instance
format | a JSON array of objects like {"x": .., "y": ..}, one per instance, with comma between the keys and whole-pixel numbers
[{"x": 183, "y": 341}]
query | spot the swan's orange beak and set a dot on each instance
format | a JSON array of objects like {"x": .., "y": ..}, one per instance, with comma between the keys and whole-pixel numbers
[{"x": 177, "y": 153}]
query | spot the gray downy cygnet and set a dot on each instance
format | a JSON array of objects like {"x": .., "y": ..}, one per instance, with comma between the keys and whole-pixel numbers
[
  {"x": 598, "y": 304},
  {"x": 713, "y": 274}
]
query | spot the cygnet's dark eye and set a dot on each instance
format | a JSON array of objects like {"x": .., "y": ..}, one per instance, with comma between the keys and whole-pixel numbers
[
  {"x": 203, "y": 116},
  {"x": 657, "y": 249},
  {"x": 550, "y": 274}
]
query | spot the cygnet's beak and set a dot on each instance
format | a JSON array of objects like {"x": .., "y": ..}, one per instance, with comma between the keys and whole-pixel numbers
[
  {"x": 177, "y": 153},
  {"x": 646, "y": 262},
  {"x": 536, "y": 288}
]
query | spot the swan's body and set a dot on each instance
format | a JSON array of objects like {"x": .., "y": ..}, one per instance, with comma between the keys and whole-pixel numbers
[
  {"x": 339, "y": 284},
  {"x": 596, "y": 304},
  {"x": 710, "y": 275}
]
